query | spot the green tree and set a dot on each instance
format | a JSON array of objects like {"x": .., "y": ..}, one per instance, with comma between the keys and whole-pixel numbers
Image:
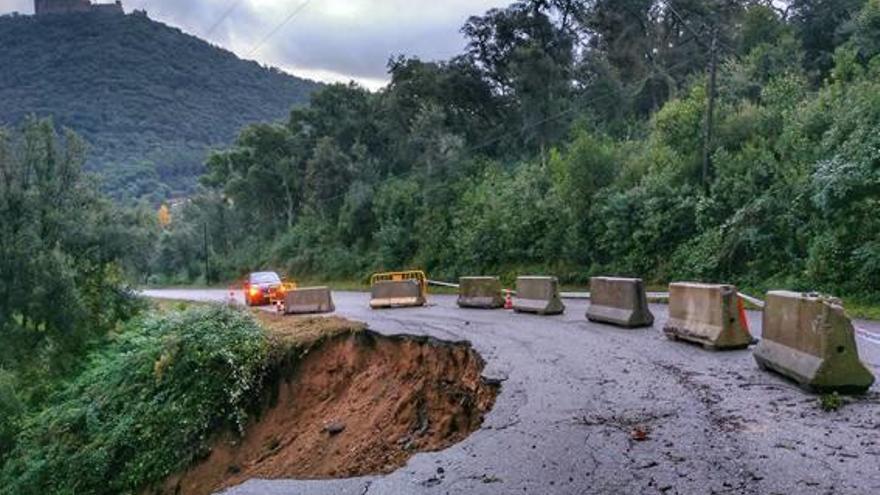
[
  {"x": 529, "y": 60},
  {"x": 61, "y": 247},
  {"x": 866, "y": 33},
  {"x": 328, "y": 176},
  {"x": 263, "y": 174},
  {"x": 822, "y": 26}
]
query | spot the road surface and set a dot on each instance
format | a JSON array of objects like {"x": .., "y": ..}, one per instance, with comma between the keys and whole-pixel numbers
[{"x": 574, "y": 391}]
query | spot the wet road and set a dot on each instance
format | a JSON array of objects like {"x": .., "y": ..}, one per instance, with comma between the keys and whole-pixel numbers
[{"x": 574, "y": 391}]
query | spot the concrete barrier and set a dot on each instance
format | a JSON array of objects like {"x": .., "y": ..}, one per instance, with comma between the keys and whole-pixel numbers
[
  {"x": 619, "y": 301},
  {"x": 538, "y": 295},
  {"x": 397, "y": 294},
  {"x": 707, "y": 314},
  {"x": 811, "y": 340},
  {"x": 480, "y": 293},
  {"x": 310, "y": 300}
]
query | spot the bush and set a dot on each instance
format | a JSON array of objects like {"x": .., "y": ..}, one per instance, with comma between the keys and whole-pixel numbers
[{"x": 144, "y": 408}]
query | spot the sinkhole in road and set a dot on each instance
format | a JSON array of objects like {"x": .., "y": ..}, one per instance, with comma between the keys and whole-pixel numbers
[{"x": 356, "y": 404}]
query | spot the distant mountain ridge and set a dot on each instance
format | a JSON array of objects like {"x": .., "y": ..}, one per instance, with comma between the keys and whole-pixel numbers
[{"x": 148, "y": 98}]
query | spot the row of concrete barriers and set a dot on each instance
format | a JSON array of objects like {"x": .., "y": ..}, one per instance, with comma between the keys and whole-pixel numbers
[{"x": 806, "y": 337}]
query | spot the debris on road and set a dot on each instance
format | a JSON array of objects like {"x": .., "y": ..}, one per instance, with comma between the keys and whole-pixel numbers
[{"x": 639, "y": 434}]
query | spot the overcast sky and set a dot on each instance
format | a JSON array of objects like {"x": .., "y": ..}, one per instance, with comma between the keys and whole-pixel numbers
[{"x": 327, "y": 40}]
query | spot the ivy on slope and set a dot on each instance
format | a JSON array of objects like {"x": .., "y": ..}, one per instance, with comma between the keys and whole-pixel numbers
[{"x": 144, "y": 408}]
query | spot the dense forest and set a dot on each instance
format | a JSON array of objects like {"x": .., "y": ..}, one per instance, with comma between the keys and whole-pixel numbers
[
  {"x": 148, "y": 99},
  {"x": 574, "y": 138}
]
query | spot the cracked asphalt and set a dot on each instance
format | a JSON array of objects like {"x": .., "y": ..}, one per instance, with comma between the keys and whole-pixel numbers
[{"x": 576, "y": 397}]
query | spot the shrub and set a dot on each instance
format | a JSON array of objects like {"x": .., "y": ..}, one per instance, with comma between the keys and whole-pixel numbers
[{"x": 144, "y": 408}]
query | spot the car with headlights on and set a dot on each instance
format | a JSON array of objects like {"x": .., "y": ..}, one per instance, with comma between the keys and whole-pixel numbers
[{"x": 263, "y": 288}]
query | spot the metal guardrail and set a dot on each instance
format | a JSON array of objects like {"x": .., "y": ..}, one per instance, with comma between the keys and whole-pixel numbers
[
  {"x": 586, "y": 295},
  {"x": 450, "y": 285},
  {"x": 752, "y": 300},
  {"x": 443, "y": 284}
]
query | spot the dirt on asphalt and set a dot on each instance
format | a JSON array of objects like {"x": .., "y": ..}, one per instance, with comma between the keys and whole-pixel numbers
[{"x": 351, "y": 403}]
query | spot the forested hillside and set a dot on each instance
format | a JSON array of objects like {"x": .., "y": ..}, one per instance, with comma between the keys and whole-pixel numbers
[
  {"x": 148, "y": 99},
  {"x": 569, "y": 139}
]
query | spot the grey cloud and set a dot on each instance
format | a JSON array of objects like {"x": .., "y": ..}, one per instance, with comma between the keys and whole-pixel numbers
[
  {"x": 20, "y": 6},
  {"x": 366, "y": 53},
  {"x": 350, "y": 38},
  {"x": 198, "y": 17}
]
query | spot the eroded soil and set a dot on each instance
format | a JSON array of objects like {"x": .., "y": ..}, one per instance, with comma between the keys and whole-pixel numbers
[{"x": 356, "y": 403}]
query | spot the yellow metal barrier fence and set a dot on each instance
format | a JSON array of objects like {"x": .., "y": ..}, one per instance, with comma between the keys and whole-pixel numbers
[{"x": 418, "y": 276}]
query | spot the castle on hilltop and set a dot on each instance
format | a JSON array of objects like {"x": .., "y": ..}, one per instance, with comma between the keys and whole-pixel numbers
[{"x": 42, "y": 7}]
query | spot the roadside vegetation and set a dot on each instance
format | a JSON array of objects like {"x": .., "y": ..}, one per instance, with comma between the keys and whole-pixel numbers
[
  {"x": 563, "y": 142},
  {"x": 65, "y": 251},
  {"x": 145, "y": 407}
]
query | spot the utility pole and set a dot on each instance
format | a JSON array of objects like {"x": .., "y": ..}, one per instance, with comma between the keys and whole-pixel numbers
[
  {"x": 207, "y": 280},
  {"x": 709, "y": 124}
]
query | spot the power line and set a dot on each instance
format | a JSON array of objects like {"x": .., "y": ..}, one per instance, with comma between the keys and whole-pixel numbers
[
  {"x": 711, "y": 88},
  {"x": 700, "y": 37},
  {"x": 226, "y": 13},
  {"x": 277, "y": 28},
  {"x": 521, "y": 130},
  {"x": 697, "y": 36},
  {"x": 551, "y": 118}
]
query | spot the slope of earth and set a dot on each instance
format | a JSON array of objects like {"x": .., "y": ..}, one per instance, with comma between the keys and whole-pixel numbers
[
  {"x": 348, "y": 402},
  {"x": 149, "y": 99}
]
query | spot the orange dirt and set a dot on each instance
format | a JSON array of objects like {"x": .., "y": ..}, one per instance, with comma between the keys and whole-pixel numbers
[{"x": 356, "y": 404}]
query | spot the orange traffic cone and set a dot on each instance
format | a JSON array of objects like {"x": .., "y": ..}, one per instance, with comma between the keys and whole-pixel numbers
[{"x": 508, "y": 302}]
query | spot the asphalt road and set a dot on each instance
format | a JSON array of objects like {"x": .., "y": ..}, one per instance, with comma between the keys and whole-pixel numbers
[{"x": 574, "y": 391}]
